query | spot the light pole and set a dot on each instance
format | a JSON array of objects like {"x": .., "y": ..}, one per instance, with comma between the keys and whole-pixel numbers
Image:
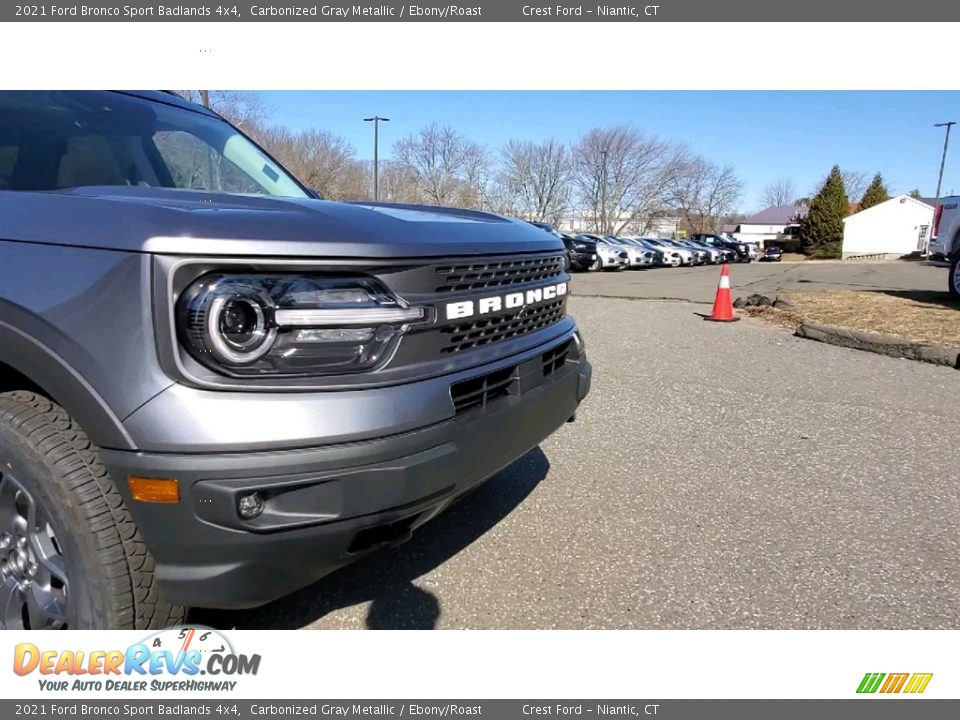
[
  {"x": 943, "y": 161},
  {"x": 943, "y": 158},
  {"x": 603, "y": 192},
  {"x": 376, "y": 120}
]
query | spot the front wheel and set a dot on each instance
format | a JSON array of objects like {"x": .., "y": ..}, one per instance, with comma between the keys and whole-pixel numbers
[
  {"x": 70, "y": 553},
  {"x": 594, "y": 265},
  {"x": 955, "y": 276}
]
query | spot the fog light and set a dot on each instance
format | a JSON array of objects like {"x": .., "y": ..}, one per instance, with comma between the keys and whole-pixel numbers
[{"x": 250, "y": 506}]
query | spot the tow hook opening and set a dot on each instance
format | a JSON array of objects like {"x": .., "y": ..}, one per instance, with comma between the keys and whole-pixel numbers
[{"x": 382, "y": 536}]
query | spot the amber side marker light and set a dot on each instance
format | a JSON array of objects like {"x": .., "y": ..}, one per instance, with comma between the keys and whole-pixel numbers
[{"x": 154, "y": 490}]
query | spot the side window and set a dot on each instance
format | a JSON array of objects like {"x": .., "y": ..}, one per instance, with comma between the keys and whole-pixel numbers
[
  {"x": 92, "y": 160},
  {"x": 8, "y": 161},
  {"x": 195, "y": 165}
]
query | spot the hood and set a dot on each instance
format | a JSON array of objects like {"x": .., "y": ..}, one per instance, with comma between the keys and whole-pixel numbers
[{"x": 158, "y": 220}]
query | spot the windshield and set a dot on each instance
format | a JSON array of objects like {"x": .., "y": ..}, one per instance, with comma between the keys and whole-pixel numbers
[{"x": 63, "y": 140}]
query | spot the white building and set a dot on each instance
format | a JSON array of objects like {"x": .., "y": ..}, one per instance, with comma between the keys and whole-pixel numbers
[
  {"x": 659, "y": 225},
  {"x": 770, "y": 224},
  {"x": 893, "y": 228}
]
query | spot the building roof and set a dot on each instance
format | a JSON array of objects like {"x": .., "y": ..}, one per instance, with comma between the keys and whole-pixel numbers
[
  {"x": 777, "y": 215},
  {"x": 896, "y": 199}
]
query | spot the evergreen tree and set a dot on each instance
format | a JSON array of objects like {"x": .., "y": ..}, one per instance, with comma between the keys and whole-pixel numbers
[
  {"x": 822, "y": 229},
  {"x": 875, "y": 194},
  {"x": 915, "y": 194}
]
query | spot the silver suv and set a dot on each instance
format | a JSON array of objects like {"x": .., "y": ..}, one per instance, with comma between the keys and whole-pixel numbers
[{"x": 215, "y": 387}]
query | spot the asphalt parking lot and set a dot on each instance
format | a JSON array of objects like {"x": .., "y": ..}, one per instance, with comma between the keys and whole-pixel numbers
[
  {"x": 689, "y": 283},
  {"x": 719, "y": 476}
]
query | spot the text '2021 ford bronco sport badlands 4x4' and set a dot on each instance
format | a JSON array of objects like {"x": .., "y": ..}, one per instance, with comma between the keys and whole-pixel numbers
[{"x": 216, "y": 388}]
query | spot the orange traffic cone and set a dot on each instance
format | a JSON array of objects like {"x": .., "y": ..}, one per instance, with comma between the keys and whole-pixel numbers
[{"x": 723, "y": 305}]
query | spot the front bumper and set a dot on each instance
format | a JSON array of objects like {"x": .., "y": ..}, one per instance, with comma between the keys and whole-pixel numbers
[
  {"x": 582, "y": 261},
  {"x": 329, "y": 505}
]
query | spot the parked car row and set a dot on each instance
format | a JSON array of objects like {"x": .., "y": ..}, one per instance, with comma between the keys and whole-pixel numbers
[{"x": 587, "y": 252}]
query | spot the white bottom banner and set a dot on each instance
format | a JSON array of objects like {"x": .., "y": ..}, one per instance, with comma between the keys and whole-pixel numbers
[{"x": 197, "y": 662}]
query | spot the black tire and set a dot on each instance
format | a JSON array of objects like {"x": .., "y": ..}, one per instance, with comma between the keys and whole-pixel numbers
[
  {"x": 594, "y": 266},
  {"x": 954, "y": 283},
  {"x": 49, "y": 466}
]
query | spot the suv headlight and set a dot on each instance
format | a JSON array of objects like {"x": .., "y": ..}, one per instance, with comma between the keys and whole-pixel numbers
[{"x": 277, "y": 324}]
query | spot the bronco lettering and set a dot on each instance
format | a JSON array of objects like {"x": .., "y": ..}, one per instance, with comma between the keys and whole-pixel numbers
[{"x": 495, "y": 303}]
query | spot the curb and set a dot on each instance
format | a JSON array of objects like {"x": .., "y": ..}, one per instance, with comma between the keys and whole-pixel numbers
[{"x": 889, "y": 345}]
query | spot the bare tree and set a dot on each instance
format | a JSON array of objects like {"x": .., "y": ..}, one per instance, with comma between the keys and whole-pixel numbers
[
  {"x": 622, "y": 176},
  {"x": 356, "y": 181},
  {"x": 397, "y": 183},
  {"x": 446, "y": 167},
  {"x": 244, "y": 109},
  {"x": 855, "y": 183},
  {"x": 535, "y": 179},
  {"x": 779, "y": 193},
  {"x": 319, "y": 159},
  {"x": 703, "y": 193}
]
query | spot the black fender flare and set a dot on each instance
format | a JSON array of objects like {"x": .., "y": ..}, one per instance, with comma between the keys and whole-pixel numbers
[{"x": 64, "y": 385}]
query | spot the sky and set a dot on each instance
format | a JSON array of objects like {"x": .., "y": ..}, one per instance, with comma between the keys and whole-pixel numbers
[{"x": 765, "y": 135}]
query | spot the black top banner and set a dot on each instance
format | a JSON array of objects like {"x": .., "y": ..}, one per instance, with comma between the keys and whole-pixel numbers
[{"x": 488, "y": 11}]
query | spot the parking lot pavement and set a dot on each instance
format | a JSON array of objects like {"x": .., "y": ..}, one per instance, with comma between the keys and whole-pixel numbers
[
  {"x": 698, "y": 284},
  {"x": 719, "y": 476}
]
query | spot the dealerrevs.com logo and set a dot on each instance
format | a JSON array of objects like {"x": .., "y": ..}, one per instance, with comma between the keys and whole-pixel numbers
[{"x": 181, "y": 659}]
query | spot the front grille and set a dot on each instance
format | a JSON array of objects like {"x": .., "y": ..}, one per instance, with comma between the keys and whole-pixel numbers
[
  {"x": 479, "y": 275},
  {"x": 553, "y": 360},
  {"x": 481, "y": 391},
  {"x": 480, "y": 332}
]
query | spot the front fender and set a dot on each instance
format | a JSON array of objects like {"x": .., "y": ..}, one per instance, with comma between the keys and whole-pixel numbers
[{"x": 64, "y": 385}]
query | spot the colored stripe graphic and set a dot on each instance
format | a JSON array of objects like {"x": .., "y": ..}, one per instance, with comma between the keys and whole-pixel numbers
[
  {"x": 894, "y": 682},
  {"x": 918, "y": 683},
  {"x": 870, "y": 682}
]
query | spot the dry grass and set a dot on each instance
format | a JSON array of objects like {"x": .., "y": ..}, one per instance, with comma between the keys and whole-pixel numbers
[{"x": 924, "y": 317}]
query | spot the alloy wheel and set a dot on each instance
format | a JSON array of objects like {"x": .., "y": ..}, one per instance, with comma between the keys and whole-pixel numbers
[{"x": 33, "y": 577}]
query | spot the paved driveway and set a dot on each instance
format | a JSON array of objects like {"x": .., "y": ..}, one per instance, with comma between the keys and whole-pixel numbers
[
  {"x": 699, "y": 284},
  {"x": 719, "y": 476}
]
